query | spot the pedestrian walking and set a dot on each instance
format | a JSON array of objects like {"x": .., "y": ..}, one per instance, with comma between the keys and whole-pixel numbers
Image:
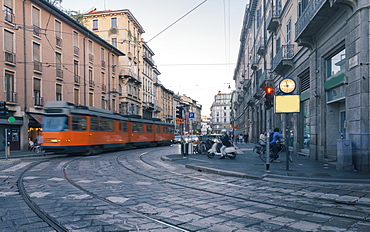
[{"x": 245, "y": 137}]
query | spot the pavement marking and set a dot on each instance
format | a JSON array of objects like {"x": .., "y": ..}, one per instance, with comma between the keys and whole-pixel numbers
[
  {"x": 84, "y": 181},
  {"x": 16, "y": 167},
  {"x": 113, "y": 182},
  {"x": 78, "y": 197},
  {"x": 5, "y": 194},
  {"x": 56, "y": 179},
  {"x": 39, "y": 194},
  {"x": 118, "y": 199}
]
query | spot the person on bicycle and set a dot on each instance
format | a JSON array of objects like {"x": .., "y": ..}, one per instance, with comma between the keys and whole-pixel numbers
[
  {"x": 225, "y": 143},
  {"x": 275, "y": 136}
]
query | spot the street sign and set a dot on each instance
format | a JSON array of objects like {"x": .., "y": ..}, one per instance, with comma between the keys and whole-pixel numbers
[
  {"x": 287, "y": 104},
  {"x": 191, "y": 115},
  {"x": 11, "y": 119}
]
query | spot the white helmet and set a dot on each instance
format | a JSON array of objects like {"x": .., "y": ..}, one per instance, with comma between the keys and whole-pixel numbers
[{"x": 223, "y": 131}]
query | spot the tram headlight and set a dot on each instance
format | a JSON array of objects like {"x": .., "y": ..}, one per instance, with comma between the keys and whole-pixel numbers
[{"x": 54, "y": 140}]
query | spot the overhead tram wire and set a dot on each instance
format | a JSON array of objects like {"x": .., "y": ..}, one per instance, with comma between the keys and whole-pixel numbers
[{"x": 177, "y": 21}]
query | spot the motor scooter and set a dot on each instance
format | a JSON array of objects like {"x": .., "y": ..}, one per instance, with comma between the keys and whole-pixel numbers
[{"x": 215, "y": 150}]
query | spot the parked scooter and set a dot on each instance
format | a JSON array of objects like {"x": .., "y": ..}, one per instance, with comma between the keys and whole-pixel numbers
[{"x": 215, "y": 150}]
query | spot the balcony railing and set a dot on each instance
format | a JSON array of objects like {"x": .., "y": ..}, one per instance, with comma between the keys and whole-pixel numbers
[
  {"x": 9, "y": 57},
  {"x": 11, "y": 96},
  {"x": 283, "y": 58},
  {"x": 77, "y": 79},
  {"x": 9, "y": 17},
  {"x": 311, "y": 10},
  {"x": 103, "y": 63},
  {"x": 37, "y": 66},
  {"x": 104, "y": 88},
  {"x": 39, "y": 101},
  {"x": 273, "y": 19},
  {"x": 254, "y": 63},
  {"x": 261, "y": 47},
  {"x": 58, "y": 41},
  {"x": 91, "y": 58},
  {"x": 91, "y": 84},
  {"x": 59, "y": 73},
  {"x": 76, "y": 50},
  {"x": 36, "y": 30}
]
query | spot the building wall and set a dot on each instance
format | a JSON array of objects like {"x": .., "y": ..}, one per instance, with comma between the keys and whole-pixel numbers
[
  {"x": 39, "y": 62},
  {"x": 327, "y": 55},
  {"x": 221, "y": 112}
]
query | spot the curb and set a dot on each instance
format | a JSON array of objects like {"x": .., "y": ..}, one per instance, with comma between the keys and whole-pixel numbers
[{"x": 222, "y": 172}]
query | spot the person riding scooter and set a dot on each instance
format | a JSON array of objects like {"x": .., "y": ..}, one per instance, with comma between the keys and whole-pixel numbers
[{"x": 225, "y": 143}]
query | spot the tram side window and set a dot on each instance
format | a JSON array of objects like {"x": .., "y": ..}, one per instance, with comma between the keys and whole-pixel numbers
[
  {"x": 78, "y": 123},
  {"x": 103, "y": 124},
  {"x": 110, "y": 125},
  {"x": 158, "y": 129},
  {"x": 137, "y": 128},
  {"x": 123, "y": 126},
  {"x": 149, "y": 128},
  {"x": 94, "y": 124}
]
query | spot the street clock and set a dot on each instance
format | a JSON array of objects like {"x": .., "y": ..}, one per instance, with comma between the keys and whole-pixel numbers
[{"x": 287, "y": 85}]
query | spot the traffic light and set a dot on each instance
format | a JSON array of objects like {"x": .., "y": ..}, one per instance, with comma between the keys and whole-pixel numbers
[
  {"x": 179, "y": 110},
  {"x": 3, "y": 108},
  {"x": 269, "y": 97}
]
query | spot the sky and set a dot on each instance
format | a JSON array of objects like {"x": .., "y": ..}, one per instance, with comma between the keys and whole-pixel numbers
[{"x": 197, "y": 55}]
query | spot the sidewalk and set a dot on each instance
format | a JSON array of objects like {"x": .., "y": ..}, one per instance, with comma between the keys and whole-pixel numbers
[{"x": 246, "y": 165}]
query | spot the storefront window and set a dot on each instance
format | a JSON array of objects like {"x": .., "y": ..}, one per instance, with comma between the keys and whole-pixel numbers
[{"x": 336, "y": 64}]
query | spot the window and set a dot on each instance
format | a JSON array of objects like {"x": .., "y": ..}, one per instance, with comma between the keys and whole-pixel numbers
[
  {"x": 114, "y": 105},
  {"x": 76, "y": 49},
  {"x": 37, "y": 92},
  {"x": 90, "y": 51},
  {"x": 9, "y": 47},
  {"x": 95, "y": 24},
  {"x": 336, "y": 64},
  {"x": 123, "y": 126},
  {"x": 110, "y": 125},
  {"x": 9, "y": 86},
  {"x": 8, "y": 11},
  {"x": 102, "y": 57},
  {"x": 78, "y": 123},
  {"x": 91, "y": 80},
  {"x": 137, "y": 127},
  {"x": 36, "y": 21},
  {"x": 149, "y": 128},
  {"x": 114, "y": 42},
  {"x": 114, "y": 23},
  {"x": 58, "y": 65},
  {"x": 76, "y": 97},
  {"x": 37, "y": 65},
  {"x": 58, "y": 91},
  {"x": 103, "y": 85},
  {"x": 58, "y": 33},
  {"x": 76, "y": 72},
  {"x": 278, "y": 45},
  {"x": 103, "y": 124},
  {"x": 91, "y": 99},
  {"x": 94, "y": 124},
  {"x": 289, "y": 31},
  {"x": 158, "y": 129}
]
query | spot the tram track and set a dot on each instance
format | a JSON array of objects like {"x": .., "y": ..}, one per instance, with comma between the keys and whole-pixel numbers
[{"x": 366, "y": 207}]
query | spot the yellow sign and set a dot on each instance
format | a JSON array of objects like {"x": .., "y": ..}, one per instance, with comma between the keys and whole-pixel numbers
[
  {"x": 179, "y": 120},
  {"x": 287, "y": 104}
]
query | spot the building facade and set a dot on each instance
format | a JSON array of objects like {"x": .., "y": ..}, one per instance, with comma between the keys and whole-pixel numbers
[
  {"x": 324, "y": 47},
  {"x": 50, "y": 57},
  {"x": 221, "y": 113}
]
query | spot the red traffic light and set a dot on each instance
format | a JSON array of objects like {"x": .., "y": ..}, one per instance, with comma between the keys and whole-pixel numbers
[{"x": 269, "y": 90}]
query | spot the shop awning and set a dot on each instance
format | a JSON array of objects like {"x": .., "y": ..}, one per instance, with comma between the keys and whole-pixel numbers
[{"x": 37, "y": 117}]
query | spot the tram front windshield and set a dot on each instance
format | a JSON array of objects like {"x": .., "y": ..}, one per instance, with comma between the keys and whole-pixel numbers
[{"x": 55, "y": 123}]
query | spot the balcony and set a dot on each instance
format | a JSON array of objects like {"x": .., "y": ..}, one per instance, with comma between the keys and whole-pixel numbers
[
  {"x": 261, "y": 49},
  {"x": 91, "y": 58},
  {"x": 58, "y": 41},
  {"x": 149, "y": 60},
  {"x": 127, "y": 73},
  {"x": 314, "y": 17},
  {"x": 76, "y": 50},
  {"x": 59, "y": 73},
  {"x": 39, "y": 101},
  {"x": 9, "y": 58},
  {"x": 77, "y": 79},
  {"x": 11, "y": 96},
  {"x": 283, "y": 59},
  {"x": 37, "y": 66},
  {"x": 254, "y": 63},
  {"x": 273, "y": 20},
  {"x": 9, "y": 17}
]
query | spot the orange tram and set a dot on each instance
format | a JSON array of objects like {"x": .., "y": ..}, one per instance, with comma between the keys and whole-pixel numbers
[{"x": 83, "y": 129}]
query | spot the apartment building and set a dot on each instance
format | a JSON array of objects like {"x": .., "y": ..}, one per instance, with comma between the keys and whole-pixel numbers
[
  {"x": 49, "y": 56},
  {"x": 123, "y": 31},
  {"x": 221, "y": 112},
  {"x": 324, "y": 47}
]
